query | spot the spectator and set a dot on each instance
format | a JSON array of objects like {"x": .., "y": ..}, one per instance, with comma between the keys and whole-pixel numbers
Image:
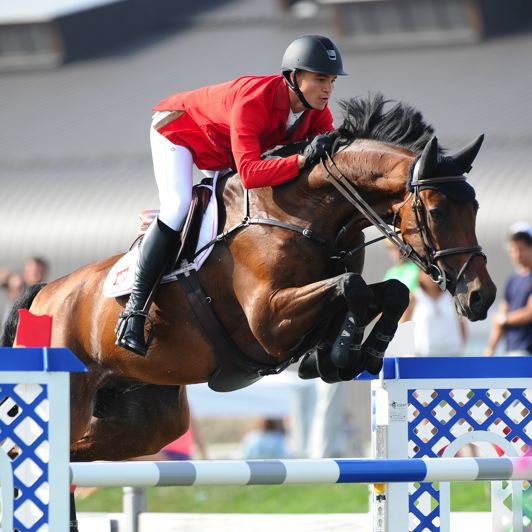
[
  {"x": 14, "y": 286},
  {"x": 34, "y": 271},
  {"x": 514, "y": 317},
  {"x": 267, "y": 441},
  {"x": 4, "y": 274},
  {"x": 438, "y": 331},
  {"x": 188, "y": 446},
  {"x": 403, "y": 270},
  {"x": 330, "y": 427}
]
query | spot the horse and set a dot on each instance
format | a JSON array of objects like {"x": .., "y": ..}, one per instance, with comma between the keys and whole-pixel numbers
[{"x": 283, "y": 289}]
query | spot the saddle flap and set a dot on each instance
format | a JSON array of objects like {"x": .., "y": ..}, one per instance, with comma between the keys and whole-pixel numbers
[
  {"x": 201, "y": 196},
  {"x": 201, "y": 228}
]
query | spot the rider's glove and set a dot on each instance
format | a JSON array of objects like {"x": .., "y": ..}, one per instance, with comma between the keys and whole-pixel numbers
[{"x": 315, "y": 151}]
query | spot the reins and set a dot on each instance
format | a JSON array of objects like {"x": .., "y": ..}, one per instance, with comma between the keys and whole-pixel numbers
[
  {"x": 247, "y": 221},
  {"x": 306, "y": 232}
]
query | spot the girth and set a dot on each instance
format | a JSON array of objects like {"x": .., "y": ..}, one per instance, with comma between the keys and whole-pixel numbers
[{"x": 235, "y": 370}]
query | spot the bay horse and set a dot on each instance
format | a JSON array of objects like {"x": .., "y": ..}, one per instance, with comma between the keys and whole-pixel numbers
[{"x": 279, "y": 289}]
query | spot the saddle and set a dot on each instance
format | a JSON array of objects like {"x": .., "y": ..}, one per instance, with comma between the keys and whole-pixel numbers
[
  {"x": 200, "y": 228},
  {"x": 201, "y": 196}
]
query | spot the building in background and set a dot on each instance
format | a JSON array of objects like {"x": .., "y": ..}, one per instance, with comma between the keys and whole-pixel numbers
[{"x": 75, "y": 167}]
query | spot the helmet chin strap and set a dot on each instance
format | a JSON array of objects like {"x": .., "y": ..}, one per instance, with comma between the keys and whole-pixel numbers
[{"x": 295, "y": 87}]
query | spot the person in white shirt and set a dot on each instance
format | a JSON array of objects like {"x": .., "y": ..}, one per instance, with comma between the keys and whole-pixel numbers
[{"x": 438, "y": 331}]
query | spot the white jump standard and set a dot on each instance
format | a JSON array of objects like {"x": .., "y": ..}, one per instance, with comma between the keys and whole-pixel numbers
[
  {"x": 34, "y": 413},
  {"x": 432, "y": 408}
]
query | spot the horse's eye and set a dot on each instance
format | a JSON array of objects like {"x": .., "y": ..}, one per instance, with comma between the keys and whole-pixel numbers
[{"x": 437, "y": 214}]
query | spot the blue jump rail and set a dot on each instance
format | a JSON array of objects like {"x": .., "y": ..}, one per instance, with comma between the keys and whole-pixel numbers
[
  {"x": 47, "y": 359},
  {"x": 453, "y": 368}
]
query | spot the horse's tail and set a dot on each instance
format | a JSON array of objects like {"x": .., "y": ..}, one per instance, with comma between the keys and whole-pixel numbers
[{"x": 23, "y": 301}]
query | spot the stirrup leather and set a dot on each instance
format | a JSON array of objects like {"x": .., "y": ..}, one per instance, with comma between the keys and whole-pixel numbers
[{"x": 122, "y": 322}]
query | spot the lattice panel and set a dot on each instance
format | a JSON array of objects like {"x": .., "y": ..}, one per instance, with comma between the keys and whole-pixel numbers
[
  {"x": 437, "y": 417},
  {"x": 24, "y": 416}
]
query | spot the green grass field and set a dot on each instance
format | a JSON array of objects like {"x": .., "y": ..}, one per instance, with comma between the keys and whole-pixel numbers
[{"x": 337, "y": 498}]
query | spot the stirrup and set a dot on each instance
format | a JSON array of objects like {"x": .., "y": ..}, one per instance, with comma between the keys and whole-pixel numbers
[{"x": 123, "y": 318}]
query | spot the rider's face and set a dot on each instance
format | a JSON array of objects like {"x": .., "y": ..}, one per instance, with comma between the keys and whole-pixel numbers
[{"x": 316, "y": 88}]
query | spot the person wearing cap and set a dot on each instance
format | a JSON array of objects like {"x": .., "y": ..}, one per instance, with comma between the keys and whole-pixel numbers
[
  {"x": 230, "y": 125},
  {"x": 513, "y": 320}
]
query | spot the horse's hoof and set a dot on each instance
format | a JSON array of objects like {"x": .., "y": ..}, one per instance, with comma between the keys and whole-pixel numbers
[
  {"x": 356, "y": 368},
  {"x": 308, "y": 368},
  {"x": 374, "y": 362}
]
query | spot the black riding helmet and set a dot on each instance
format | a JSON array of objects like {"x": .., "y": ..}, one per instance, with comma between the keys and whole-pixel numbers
[{"x": 314, "y": 53}]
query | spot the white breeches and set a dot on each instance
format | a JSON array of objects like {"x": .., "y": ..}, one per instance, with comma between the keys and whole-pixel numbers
[{"x": 172, "y": 166}]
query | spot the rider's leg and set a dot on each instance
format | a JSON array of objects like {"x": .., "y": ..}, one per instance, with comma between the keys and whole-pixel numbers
[
  {"x": 173, "y": 172},
  {"x": 172, "y": 166}
]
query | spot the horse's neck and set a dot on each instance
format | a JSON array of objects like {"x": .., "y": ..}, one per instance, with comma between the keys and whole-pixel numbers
[{"x": 378, "y": 171}]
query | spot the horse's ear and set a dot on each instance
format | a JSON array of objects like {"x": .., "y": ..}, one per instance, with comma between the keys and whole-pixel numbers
[
  {"x": 429, "y": 158},
  {"x": 465, "y": 157}
]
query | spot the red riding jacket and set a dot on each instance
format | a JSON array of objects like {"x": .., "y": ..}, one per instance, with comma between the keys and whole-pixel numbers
[{"x": 229, "y": 125}]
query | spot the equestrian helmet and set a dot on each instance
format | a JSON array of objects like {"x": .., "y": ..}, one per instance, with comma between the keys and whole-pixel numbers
[{"x": 314, "y": 53}]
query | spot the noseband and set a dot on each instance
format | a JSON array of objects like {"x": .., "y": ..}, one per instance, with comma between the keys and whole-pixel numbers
[{"x": 428, "y": 263}]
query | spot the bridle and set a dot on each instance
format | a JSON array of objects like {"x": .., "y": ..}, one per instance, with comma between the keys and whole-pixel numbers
[{"x": 427, "y": 263}]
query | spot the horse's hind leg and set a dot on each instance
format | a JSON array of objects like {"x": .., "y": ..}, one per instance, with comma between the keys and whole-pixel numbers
[{"x": 133, "y": 420}]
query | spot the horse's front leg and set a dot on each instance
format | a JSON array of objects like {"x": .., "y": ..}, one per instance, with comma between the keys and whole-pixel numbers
[
  {"x": 341, "y": 355},
  {"x": 392, "y": 298},
  {"x": 288, "y": 318}
]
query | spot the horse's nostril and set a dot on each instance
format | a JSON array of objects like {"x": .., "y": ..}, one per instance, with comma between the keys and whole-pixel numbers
[{"x": 475, "y": 300}]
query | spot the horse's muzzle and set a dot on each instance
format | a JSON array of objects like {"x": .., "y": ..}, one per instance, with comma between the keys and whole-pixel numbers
[{"x": 474, "y": 302}]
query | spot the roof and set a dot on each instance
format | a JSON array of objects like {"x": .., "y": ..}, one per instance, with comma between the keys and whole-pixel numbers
[{"x": 24, "y": 11}]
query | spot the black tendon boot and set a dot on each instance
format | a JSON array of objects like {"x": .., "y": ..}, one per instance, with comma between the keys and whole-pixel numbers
[{"x": 158, "y": 248}]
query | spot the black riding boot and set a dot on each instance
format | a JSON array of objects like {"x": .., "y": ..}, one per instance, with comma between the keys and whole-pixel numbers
[{"x": 158, "y": 248}]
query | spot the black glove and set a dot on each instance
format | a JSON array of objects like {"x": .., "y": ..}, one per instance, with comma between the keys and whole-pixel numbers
[{"x": 316, "y": 150}]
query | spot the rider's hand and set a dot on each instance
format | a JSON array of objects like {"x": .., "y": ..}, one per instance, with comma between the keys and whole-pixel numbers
[{"x": 316, "y": 150}]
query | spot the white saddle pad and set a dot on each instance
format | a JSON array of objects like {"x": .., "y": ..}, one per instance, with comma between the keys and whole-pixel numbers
[{"x": 121, "y": 276}]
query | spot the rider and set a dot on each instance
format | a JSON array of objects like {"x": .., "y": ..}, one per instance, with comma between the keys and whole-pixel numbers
[{"x": 229, "y": 125}]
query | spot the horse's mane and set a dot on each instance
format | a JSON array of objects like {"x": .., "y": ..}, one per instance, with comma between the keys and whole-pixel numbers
[{"x": 367, "y": 118}]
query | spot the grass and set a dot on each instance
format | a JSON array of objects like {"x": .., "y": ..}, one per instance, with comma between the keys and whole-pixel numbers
[{"x": 337, "y": 498}]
